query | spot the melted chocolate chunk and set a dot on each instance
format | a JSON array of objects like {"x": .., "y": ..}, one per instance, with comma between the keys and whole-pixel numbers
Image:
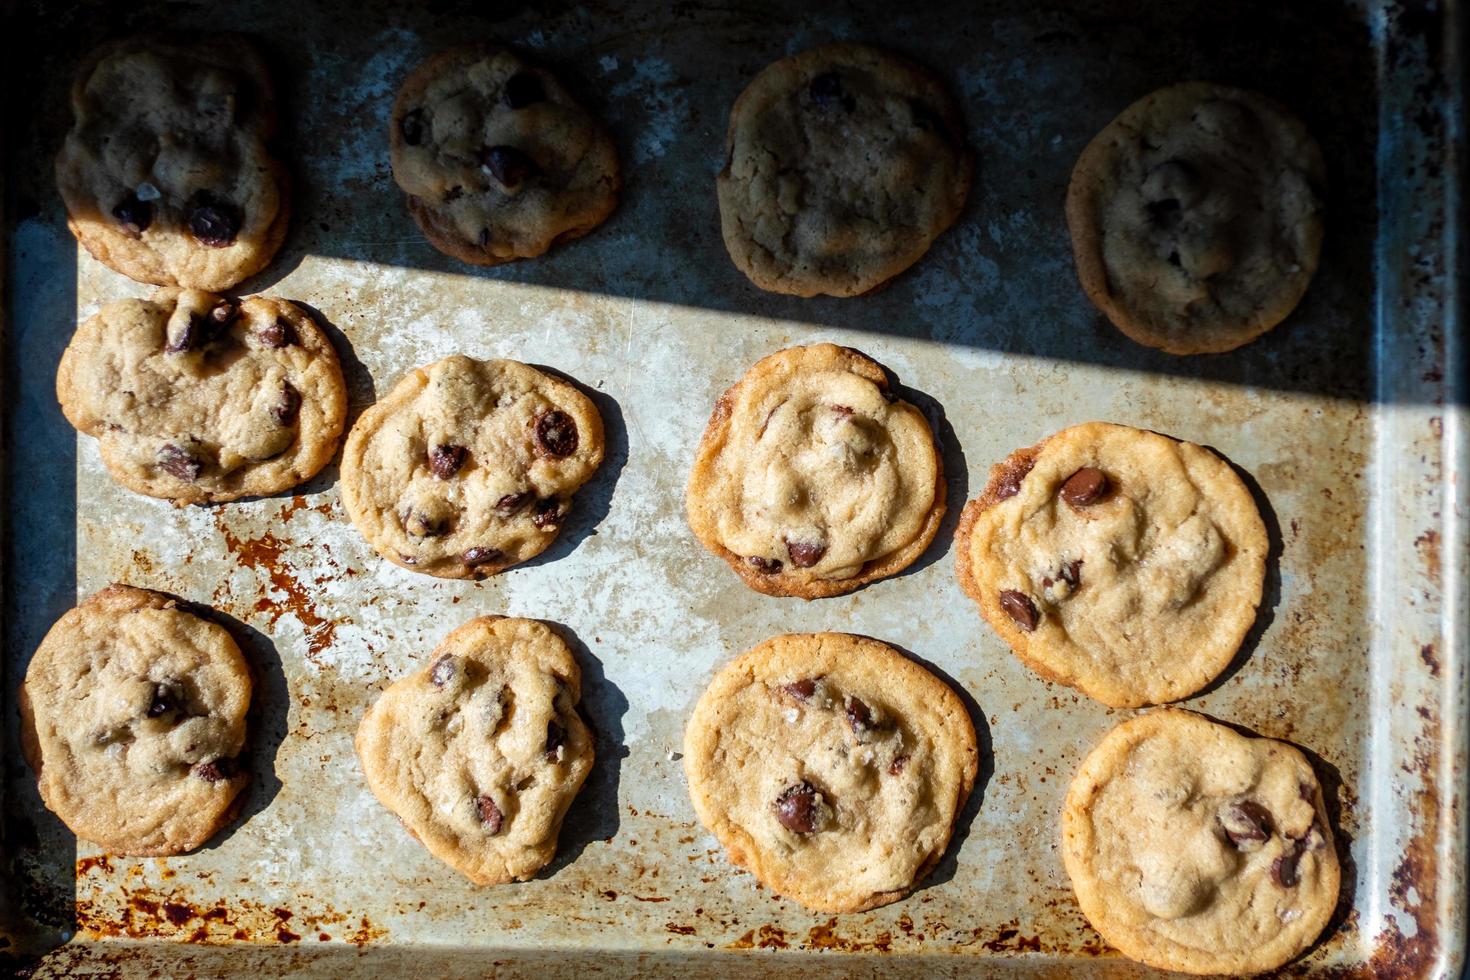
[
  {"x": 204, "y": 328},
  {"x": 445, "y": 460},
  {"x": 522, "y": 89},
  {"x": 443, "y": 670},
  {"x": 1284, "y": 870},
  {"x": 766, "y": 566},
  {"x": 278, "y": 333},
  {"x": 1010, "y": 482},
  {"x": 288, "y": 408},
  {"x": 511, "y": 503},
  {"x": 215, "y": 771},
  {"x": 802, "y": 689},
  {"x": 213, "y": 221},
  {"x": 1071, "y": 573},
  {"x": 508, "y": 165},
  {"x": 548, "y": 513},
  {"x": 413, "y": 127},
  {"x": 1085, "y": 487},
  {"x": 490, "y": 815},
  {"x": 165, "y": 699},
  {"x": 797, "y": 808},
  {"x": 859, "y": 716},
  {"x": 804, "y": 554},
  {"x": 134, "y": 215},
  {"x": 1020, "y": 608},
  {"x": 179, "y": 463},
  {"x": 556, "y": 737},
  {"x": 423, "y": 525},
  {"x": 475, "y": 557},
  {"x": 897, "y": 766},
  {"x": 556, "y": 434},
  {"x": 1247, "y": 824},
  {"x": 827, "y": 92}
]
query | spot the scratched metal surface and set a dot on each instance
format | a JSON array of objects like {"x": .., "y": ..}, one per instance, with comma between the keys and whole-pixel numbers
[{"x": 1345, "y": 418}]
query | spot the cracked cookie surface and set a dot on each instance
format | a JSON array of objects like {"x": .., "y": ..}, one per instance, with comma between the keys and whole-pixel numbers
[
  {"x": 1194, "y": 848},
  {"x": 1196, "y": 217},
  {"x": 468, "y": 467},
  {"x": 497, "y": 158},
  {"x": 844, "y": 163},
  {"x": 167, "y": 173},
  {"x": 132, "y": 716},
  {"x": 812, "y": 479},
  {"x": 481, "y": 751},
  {"x": 198, "y": 398},
  {"x": 831, "y": 767},
  {"x": 1121, "y": 562}
]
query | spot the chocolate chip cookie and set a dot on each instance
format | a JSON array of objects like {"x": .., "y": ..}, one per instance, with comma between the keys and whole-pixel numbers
[
  {"x": 1194, "y": 848},
  {"x": 198, "y": 398},
  {"x": 1196, "y": 217},
  {"x": 167, "y": 172},
  {"x": 132, "y": 714},
  {"x": 497, "y": 158},
  {"x": 1120, "y": 562},
  {"x": 481, "y": 751},
  {"x": 468, "y": 467},
  {"x": 832, "y": 767},
  {"x": 843, "y": 164},
  {"x": 812, "y": 478}
]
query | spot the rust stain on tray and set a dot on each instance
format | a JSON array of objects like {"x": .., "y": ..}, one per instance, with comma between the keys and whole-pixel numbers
[
  {"x": 267, "y": 553},
  {"x": 147, "y": 914}
]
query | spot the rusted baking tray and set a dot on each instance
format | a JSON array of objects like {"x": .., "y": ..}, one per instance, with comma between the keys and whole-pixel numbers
[{"x": 1349, "y": 419}]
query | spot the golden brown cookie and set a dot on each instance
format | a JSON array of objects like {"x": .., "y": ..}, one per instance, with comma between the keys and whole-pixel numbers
[
  {"x": 481, "y": 751},
  {"x": 1196, "y": 217},
  {"x": 832, "y": 767},
  {"x": 844, "y": 163},
  {"x": 497, "y": 158},
  {"x": 1194, "y": 848},
  {"x": 132, "y": 714},
  {"x": 468, "y": 467},
  {"x": 199, "y": 398},
  {"x": 812, "y": 478},
  {"x": 1121, "y": 562},
  {"x": 167, "y": 172}
]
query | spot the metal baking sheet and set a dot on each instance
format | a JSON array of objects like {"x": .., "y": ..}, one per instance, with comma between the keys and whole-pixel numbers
[{"x": 1348, "y": 419}]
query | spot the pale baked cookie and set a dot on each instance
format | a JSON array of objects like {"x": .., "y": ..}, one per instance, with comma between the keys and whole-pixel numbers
[
  {"x": 832, "y": 767},
  {"x": 499, "y": 162},
  {"x": 1120, "y": 562},
  {"x": 198, "y": 398},
  {"x": 132, "y": 714},
  {"x": 1194, "y": 848},
  {"x": 481, "y": 751},
  {"x": 468, "y": 467},
  {"x": 843, "y": 164},
  {"x": 1196, "y": 217},
  {"x": 812, "y": 478},
  {"x": 167, "y": 172}
]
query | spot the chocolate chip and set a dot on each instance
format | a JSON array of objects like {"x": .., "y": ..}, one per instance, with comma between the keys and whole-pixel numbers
[
  {"x": 508, "y": 505},
  {"x": 1284, "y": 870},
  {"x": 842, "y": 412},
  {"x": 179, "y": 463},
  {"x": 481, "y": 556},
  {"x": 802, "y": 690},
  {"x": 556, "y": 434},
  {"x": 423, "y": 525},
  {"x": 859, "y": 717},
  {"x": 548, "y": 513},
  {"x": 1071, "y": 573},
  {"x": 202, "y": 328},
  {"x": 413, "y": 127},
  {"x": 288, "y": 408},
  {"x": 215, "y": 771},
  {"x": 804, "y": 554},
  {"x": 896, "y": 767},
  {"x": 522, "y": 89},
  {"x": 165, "y": 699},
  {"x": 1247, "y": 824},
  {"x": 490, "y": 815},
  {"x": 766, "y": 566},
  {"x": 827, "y": 92},
  {"x": 213, "y": 221},
  {"x": 446, "y": 459},
  {"x": 1010, "y": 481},
  {"x": 278, "y": 333},
  {"x": 509, "y": 166},
  {"x": 796, "y": 808},
  {"x": 556, "y": 737},
  {"x": 443, "y": 670},
  {"x": 1087, "y": 486},
  {"x": 1020, "y": 608},
  {"x": 134, "y": 215}
]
